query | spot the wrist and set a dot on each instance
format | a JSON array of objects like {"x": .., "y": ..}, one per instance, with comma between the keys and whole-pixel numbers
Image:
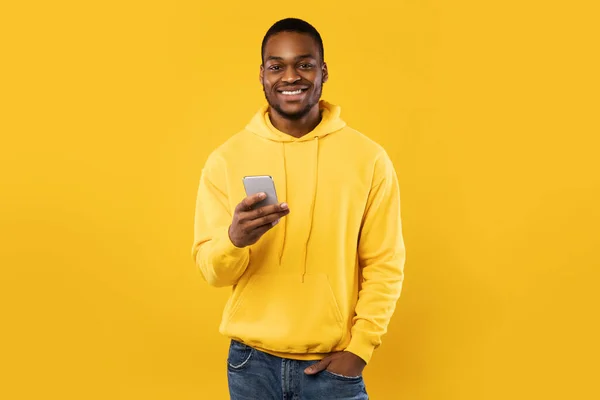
[
  {"x": 356, "y": 358},
  {"x": 361, "y": 347}
]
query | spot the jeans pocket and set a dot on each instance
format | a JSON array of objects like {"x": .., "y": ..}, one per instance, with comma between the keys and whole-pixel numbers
[
  {"x": 239, "y": 355},
  {"x": 352, "y": 379}
]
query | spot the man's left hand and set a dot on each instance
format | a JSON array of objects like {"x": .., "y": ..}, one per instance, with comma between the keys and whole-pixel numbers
[{"x": 341, "y": 363}]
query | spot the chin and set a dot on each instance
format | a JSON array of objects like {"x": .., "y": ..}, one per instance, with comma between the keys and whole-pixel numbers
[
  {"x": 293, "y": 110},
  {"x": 295, "y": 114}
]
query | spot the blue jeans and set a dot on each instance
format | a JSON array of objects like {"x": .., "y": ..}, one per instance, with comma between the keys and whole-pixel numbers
[{"x": 255, "y": 375}]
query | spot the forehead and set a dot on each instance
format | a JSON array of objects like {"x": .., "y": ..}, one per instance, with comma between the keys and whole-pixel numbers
[{"x": 290, "y": 45}]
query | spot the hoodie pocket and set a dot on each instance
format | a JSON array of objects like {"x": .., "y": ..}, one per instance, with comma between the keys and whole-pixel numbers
[{"x": 279, "y": 312}]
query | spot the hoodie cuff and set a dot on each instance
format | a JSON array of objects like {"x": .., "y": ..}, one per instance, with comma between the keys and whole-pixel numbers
[
  {"x": 225, "y": 249},
  {"x": 361, "y": 346}
]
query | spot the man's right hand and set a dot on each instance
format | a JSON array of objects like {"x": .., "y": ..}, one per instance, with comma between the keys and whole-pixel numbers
[{"x": 249, "y": 225}]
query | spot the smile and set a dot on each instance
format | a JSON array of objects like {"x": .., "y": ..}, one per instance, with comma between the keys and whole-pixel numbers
[
  {"x": 291, "y": 93},
  {"x": 294, "y": 92}
]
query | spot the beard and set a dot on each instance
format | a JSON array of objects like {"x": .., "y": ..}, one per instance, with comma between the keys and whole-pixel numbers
[{"x": 295, "y": 115}]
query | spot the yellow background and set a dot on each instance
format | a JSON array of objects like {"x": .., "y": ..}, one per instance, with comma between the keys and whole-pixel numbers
[{"x": 489, "y": 111}]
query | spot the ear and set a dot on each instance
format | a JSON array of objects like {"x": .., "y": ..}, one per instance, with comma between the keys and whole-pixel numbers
[
  {"x": 325, "y": 72},
  {"x": 261, "y": 74}
]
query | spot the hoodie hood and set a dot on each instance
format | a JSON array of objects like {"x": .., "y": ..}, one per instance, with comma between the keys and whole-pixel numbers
[{"x": 330, "y": 122}]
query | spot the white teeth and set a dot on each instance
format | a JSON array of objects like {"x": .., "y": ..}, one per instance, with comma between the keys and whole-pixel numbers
[{"x": 287, "y": 92}]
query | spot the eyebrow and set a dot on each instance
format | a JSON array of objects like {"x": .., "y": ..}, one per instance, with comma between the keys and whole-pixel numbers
[{"x": 296, "y": 58}]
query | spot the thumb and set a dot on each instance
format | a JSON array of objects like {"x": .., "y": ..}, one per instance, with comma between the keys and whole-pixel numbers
[{"x": 318, "y": 367}]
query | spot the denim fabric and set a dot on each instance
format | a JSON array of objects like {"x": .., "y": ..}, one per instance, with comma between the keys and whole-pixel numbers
[{"x": 254, "y": 375}]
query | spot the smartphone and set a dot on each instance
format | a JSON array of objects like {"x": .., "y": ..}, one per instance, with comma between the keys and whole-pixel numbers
[{"x": 261, "y": 184}]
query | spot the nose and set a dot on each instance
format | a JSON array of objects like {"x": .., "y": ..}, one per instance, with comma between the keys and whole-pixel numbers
[{"x": 290, "y": 75}]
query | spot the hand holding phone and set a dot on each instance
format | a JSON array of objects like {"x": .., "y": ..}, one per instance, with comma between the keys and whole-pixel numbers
[{"x": 256, "y": 214}]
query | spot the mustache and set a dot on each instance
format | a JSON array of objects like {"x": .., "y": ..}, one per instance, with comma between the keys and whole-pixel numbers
[{"x": 308, "y": 85}]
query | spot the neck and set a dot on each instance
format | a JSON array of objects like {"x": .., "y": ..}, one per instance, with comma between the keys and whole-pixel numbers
[{"x": 299, "y": 127}]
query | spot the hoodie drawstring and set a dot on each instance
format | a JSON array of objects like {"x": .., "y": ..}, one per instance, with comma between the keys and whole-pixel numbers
[
  {"x": 283, "y": 220},
  {"x": 314, "y": 199},
  {"x": 261, "y": 126}
]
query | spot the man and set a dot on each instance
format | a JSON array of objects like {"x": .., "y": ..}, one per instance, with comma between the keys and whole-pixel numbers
[{"x": 317, "y": 276}]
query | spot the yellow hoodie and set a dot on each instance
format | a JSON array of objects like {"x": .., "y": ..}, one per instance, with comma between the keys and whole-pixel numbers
[{"x": 328, "y": 276}]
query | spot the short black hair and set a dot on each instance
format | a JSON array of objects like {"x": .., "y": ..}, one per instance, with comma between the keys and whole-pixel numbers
[{"x": 293, "y": 25}]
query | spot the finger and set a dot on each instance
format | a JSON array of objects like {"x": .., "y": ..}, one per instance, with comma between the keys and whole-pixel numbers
[
  {"x": 264, "y": 211},
  {"x": 249, "y": 201},
  {"x": 258, "y": 232},
  {"x": 318, "y": 367},
  {"x": 270, "y": 219}
]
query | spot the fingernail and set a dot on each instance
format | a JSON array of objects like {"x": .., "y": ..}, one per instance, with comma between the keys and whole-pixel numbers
[
  {"x": 284, "y": 206},
  {"x": 262, "y": 195},
  {"x": 274, "y": 223}
]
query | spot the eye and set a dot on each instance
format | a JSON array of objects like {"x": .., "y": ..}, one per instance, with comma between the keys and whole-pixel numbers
[
  {"x": 306, "y": 66},
  {"x": 274, "y": 67}
]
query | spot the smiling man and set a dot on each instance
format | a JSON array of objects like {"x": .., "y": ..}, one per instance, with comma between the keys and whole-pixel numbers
[{"x": 315, "y": 278}]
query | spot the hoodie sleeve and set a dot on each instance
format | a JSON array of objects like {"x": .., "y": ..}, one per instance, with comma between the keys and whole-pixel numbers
[
  {"x": 220, "y": 262},
  {"x": 381, "y": 258}
]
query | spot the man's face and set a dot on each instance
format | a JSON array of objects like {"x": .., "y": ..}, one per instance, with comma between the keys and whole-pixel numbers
[{"x": 292, "y": 74}]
